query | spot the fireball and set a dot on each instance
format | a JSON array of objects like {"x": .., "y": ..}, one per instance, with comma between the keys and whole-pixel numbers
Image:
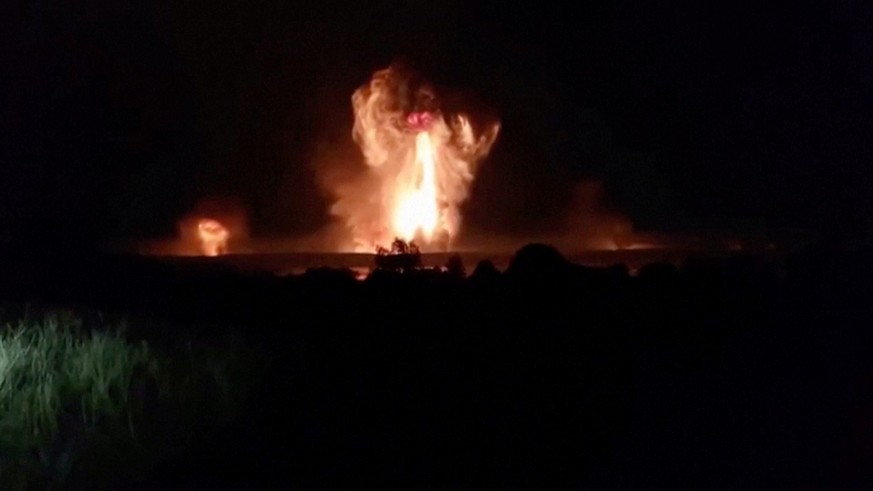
[
  {"x": 420, "y": 164},
  {"x": 213, "y": 237}
]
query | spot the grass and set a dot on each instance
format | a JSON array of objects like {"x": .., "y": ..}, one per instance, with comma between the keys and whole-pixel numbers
[
  {"x": 85, "y": 404},
  {"x": 59, "y": 381}
]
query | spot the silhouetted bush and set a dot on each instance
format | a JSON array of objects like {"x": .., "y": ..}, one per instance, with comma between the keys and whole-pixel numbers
[{"x": 537, "y": 260}]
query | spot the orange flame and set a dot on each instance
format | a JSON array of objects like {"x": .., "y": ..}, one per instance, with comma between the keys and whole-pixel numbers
[
  {"x": 423, "y": 160},
  {"x": 213, "y": 237}
]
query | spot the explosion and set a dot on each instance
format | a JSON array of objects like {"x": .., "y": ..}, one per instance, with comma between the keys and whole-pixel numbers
[
  {"x": 420, "y": 164},
  {"x": 213, "y": 237},
  {"x": 213, "y": 228}
]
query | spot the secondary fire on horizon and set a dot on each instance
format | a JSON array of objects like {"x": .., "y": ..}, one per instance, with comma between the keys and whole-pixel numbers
[
  {"x": 420, "y": 164},
  {"x": 213, "y": 237}
]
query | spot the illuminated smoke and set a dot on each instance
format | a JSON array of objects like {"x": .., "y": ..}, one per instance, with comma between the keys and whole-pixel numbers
[{"x": 592, "y": 225}]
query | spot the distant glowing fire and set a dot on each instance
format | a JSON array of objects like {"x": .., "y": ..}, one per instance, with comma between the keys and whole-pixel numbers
[
  {"x": 420, "y": 164},
  {"x": 213, "y": 237},
  {"x": 214, "y": 227}
]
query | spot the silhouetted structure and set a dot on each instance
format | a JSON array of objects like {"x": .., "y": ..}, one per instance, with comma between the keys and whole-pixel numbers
[{"x": 402, "y": 257}]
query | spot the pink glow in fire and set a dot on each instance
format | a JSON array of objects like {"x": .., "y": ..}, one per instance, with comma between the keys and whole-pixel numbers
[{"x": 419, "y": 121}]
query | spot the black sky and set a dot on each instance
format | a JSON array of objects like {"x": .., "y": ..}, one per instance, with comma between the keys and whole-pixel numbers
[{"x": 118, "y": 116}]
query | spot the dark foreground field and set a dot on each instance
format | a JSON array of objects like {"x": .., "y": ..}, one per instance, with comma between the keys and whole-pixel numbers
[{"x": 742, "y": 372}]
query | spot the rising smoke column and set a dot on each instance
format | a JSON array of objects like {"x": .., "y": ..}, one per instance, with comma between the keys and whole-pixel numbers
[{"x": 420, "y": 164}]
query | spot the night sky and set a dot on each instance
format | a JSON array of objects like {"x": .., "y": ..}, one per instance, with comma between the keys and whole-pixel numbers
[{"x": 118, "y": 116}]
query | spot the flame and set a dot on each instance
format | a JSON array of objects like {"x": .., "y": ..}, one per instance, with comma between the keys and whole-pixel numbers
[
  {"x": 213, "y": 237},
  {"x": 416, "y": 209},
  {"x": 420, "y": 160}
]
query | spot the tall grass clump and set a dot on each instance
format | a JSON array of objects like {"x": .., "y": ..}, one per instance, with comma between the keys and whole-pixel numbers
[
  {"x": 82, "y": 406},
  {"x": 54, "y": 369}
]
